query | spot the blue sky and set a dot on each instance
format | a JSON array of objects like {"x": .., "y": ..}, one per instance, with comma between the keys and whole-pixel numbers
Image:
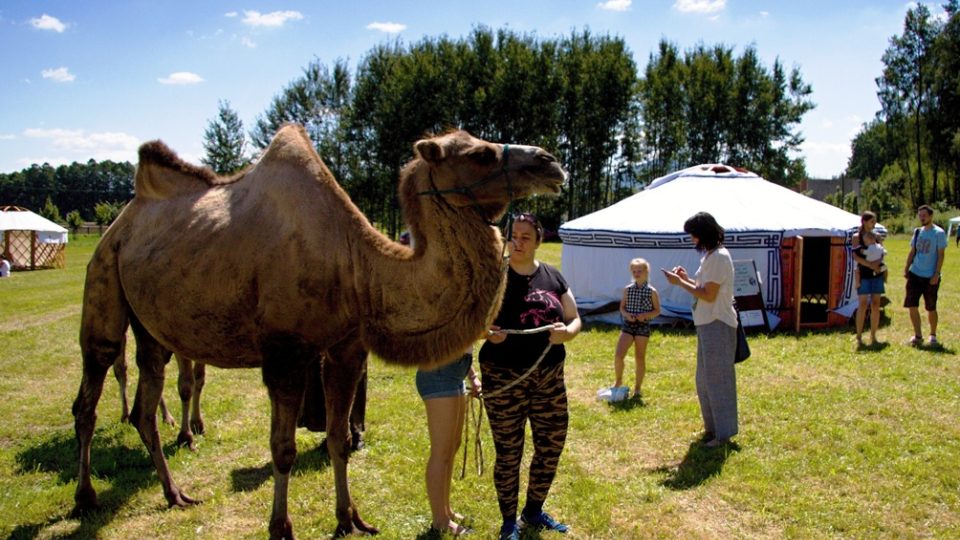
[{"x": 95, "y": 79}]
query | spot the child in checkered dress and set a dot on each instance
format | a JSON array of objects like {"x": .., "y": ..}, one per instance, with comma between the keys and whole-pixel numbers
[{"x": 639, "y": 305}]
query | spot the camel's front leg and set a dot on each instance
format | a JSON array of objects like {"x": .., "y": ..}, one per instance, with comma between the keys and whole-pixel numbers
[
  {"x": 284, "y": 375},
  {"x": 343, "y": 366},
  {"x": 151, "y": 358}
]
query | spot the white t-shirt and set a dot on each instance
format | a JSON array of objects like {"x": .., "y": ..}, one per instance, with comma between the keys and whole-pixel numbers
[
  {"x": 874, "y": 253},
  {"x": 4, "y": 268},
  {"x": 716, "y": 267}
]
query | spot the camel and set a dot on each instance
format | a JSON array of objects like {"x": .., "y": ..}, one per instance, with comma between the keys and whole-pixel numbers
[{"x": 275, "y": 266}]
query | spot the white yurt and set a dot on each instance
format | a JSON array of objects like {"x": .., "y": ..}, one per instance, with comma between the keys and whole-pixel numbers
[
  {"x": 31, "y": 241},
  {"x": 800, "y": 246}
]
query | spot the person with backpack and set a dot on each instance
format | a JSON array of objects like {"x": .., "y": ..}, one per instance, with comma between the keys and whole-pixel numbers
[{"x": 922, "y": 272}]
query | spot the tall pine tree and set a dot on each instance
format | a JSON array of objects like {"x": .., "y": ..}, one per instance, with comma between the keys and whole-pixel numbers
[{"x": 225, "y": 142}]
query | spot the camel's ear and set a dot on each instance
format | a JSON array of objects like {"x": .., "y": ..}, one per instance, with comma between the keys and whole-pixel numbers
[{"x": 429, "y": 150}]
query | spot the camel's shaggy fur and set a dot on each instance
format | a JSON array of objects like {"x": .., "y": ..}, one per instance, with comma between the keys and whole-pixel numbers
[{"x": 275, "y": 267}]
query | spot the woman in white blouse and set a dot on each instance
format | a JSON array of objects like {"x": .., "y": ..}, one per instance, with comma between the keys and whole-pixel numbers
[{"x": 716, "y": 321}]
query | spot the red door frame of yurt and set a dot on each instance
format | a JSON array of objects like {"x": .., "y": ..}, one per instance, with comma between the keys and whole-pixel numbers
[{"x": 828, "y": 292}]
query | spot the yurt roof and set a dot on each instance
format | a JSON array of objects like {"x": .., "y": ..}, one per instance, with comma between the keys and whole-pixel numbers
[
  {"x": 740, "y": 201},
  {"x": 14, "y": 218}
]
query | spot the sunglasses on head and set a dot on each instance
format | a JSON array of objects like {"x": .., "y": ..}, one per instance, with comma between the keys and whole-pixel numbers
[{"x": 527, "y": 218}]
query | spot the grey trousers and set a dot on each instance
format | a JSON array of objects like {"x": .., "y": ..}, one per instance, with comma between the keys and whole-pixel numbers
[{"x": 717, "y": 378}]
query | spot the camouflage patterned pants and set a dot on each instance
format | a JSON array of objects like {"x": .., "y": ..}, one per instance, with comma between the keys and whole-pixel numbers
[{"x": 541, "y": 398}]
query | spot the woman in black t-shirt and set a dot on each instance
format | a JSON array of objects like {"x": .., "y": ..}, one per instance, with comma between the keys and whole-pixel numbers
[{"x": 536, "y": 296}]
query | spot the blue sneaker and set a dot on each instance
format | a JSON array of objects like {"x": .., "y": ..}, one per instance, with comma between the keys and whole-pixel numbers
[
  {"x": 544, "y": 522},
  {"x": 510, "y": 531}
]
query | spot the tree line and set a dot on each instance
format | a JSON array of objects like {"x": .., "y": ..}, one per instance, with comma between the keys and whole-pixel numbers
[
  {"x": 580, "y": 96},
  {"x": 909, "y": 154}
]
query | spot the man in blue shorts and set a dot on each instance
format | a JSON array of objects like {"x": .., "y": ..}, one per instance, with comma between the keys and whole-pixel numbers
[{"x": 922, "y": 272}]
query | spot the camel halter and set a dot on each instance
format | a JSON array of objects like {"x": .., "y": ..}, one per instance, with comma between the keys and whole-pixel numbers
[{"x": 468, "y": 190}]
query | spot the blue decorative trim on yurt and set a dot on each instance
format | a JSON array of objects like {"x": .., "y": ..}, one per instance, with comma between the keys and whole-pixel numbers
[{"x": 766, "y": 240}]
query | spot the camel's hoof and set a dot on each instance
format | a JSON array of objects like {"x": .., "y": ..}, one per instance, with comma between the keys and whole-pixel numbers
[
  {"x": 282, "y": 530},
  {"x": 124, "y": 418},
  {"x": 186, "y": 439},
  {"x": 356, "y": 526},
  {"x": 197, "y": 427},
  {"x": 86, "y": 502},
  {"x": 181, "y": 500},
  {"x": 169, "y": 420}
]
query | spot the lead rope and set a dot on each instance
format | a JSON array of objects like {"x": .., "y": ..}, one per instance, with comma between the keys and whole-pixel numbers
[{"x": 475, "y": 411}]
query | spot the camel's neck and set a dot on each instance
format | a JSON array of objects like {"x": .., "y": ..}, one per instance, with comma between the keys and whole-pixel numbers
[{"x": 430, "y": 307}]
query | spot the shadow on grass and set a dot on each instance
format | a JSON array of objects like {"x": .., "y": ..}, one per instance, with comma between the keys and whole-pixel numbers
[
  {"x": 129, "y": 470},
  {"x": 251, "y": 478},
  {"x": 699, "y": 465},
  {"x": 629, "y": 404},
  {"x": 873, "y": 347},
  {"x": 936, "y": 349}
]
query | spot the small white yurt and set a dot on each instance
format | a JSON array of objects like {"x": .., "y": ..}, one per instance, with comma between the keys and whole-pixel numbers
[
  {"x": 800, "y": 246},
  {"x": 31, "y": 241}
]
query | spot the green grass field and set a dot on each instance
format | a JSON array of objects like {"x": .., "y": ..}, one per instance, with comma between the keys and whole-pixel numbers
[{"x": 834, "y": 442}]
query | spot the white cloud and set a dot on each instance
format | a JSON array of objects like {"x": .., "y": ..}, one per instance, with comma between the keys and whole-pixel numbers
[
  {"x": 60, "y": 74},
  {"x": 387, "y": 27},
  {"x": 71, "y": 145},
  {"x": 825, "y": 159},
  {"x": 46, "y": 22},
  {"x": 181, "y": 78},
  {"x": 7, "y": 136},
  {"x": 700, "y": 6},
  {"x": 764, "y": 14},
  {"x": 273, "y": 19},
  {"x": 230, "y": 14},
  {"x": 247, "y": 42},
  {"x": 615, "y": 5}
]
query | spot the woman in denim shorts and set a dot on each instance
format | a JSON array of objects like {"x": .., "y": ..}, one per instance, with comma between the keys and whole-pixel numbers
[{"x": 443, "y": 394}]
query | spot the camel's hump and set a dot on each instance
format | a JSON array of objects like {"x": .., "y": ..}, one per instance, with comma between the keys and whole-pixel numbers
[{"x": 161, "y": 174}]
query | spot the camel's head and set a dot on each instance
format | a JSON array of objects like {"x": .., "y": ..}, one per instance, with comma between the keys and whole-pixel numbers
[{"x": 468, "y": 171}]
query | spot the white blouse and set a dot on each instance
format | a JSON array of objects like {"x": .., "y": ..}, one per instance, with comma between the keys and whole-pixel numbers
[{"x": 717, "y": 267}]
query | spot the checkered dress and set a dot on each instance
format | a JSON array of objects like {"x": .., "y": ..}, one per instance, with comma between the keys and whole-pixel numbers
[{"x": 639, "y": 300}]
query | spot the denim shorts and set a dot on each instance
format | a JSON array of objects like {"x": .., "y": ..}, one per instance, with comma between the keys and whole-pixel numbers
[
  {"x": 445, "y": 381},
  {"x": 872, "y": 285}
]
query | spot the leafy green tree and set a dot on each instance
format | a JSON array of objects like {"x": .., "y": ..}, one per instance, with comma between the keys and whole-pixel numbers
[
  {"x": 50, "y": 211},
  {"x": 106, "y": 212},
  {"x": 945, "y": 129},
  {"x": 711, "y": 106},
  {"x": 870, "y": 152},
  {"x": 74, "y": 221},
  {"x": 225, "y": 142},
  {"x": 904, "y": 89}
]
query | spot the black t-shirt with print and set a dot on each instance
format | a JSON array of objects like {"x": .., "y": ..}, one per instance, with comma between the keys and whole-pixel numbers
[{"x": 528, "y": 302}]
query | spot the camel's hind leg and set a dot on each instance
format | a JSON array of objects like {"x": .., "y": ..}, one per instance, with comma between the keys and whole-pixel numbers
[
  {"x": 199, "y": 380},
  {"x": 151, "y": 359},
  {"x": 103, "y": 329},
  {"x": 343, "y": 366},
  {"x": 188, "y": 390},
  {"x": 120, "y": 372}
]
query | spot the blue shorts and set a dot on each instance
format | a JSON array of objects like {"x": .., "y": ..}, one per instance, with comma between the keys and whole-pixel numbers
[
  {"x": 445, "y": 381},
  {"x": 872, "y": 285}
]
